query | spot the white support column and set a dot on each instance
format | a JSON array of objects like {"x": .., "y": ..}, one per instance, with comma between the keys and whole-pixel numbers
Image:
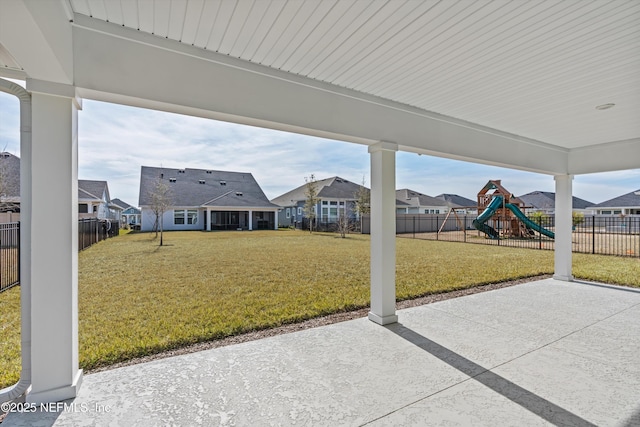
[
  {"x": 208, "y": 219},
  {"x": 563, "y": 230},
  {"x": 54, "y": 242},
  {"x": 275, "y": 219},
  {"x": 250, "y": 220},
  {"x": 383, "y": 233}
]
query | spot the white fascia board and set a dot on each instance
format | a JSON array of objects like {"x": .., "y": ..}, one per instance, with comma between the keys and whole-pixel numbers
[
  {"x": 619, "y": 155},
  {"x": 38, "y": 35},
  {"x": 118, "y": 64}
]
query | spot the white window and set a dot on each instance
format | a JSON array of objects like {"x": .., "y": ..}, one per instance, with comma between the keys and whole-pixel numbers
[
  {"x": 178, "y": 217},
  {"x": 192, "y": 216},
  {"x": 288, "y": 212},
  {"x": 182, "y": 217}
]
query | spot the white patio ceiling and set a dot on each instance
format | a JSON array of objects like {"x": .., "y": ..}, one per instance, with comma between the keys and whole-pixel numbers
[{"x": 513, "y": 83}]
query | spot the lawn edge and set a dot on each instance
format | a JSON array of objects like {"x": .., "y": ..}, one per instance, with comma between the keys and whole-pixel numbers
[{"x": 313, "y": 323}]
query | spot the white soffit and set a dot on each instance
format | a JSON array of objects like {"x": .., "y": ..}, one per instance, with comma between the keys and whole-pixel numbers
[{"x": 531, "y": 68}]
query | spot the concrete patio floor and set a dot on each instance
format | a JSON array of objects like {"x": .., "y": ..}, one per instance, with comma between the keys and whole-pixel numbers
[{"x": 540, "y": 353}]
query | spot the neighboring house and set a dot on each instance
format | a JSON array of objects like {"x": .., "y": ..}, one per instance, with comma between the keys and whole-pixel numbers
[
  {"x": 627, "y": 204},
  {"x": 94, "y": 200},
  {"x": 336, "y": 197},
  {"x": 206, "y": 200},
  {"x": 413, "y": 202},
  {"x": 93, "y": 196},
  {"x": 129, "y": 215},
  {"x": 460, "y": 204},
  {"x": 9, "y": 183},
  {"x": 545, "y": 201}
]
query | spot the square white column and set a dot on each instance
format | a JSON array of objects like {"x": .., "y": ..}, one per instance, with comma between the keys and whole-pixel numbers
[
  {"x": 383, "y": 233},
  {"x": 53, "y": 213},
  {"x": 563, "y": 231},
  {"x": 250, "y": 220},
  {"x": 208, "y": 219}
]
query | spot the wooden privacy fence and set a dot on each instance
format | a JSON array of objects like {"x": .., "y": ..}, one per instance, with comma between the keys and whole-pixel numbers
[
  {"x": 90, "y": 231},
  {"x": 603, "y": 234},
  {"x": 93, "y": 230}
]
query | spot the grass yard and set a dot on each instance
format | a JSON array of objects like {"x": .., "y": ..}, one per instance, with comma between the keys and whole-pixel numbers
[{"x": 136, "y": 298}]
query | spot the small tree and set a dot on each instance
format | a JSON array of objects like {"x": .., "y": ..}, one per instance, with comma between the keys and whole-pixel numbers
[
  {"x": 311, "y": 194},
  {"x": 362, "y": 204},
  {"x": 343, "y": 222},
  {"x": 538, "y": 217},
  {"x": 577, "y": 218},
  {"x": 161, "y": 197}
]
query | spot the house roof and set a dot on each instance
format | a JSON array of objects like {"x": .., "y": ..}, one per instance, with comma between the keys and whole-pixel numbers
[
  {"x": 329, "y": 188},
  {"x": 547, "y": 200},
  {"x": 124, "y": 206},
  {"x": 121, "y": 204},
  {"x": 10, "y": 175},
  {"x": 414, "y": 198},
  {"x": 93, "y": 190},
  {"x": 455, "y": 201},
  {"x": 201, "y": 187},
  {"x": 88, "y": 190},
  {"x": 629, "y": 200}
]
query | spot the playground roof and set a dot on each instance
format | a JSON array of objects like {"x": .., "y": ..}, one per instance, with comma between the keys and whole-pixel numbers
[{"x": 548, "y": 86}]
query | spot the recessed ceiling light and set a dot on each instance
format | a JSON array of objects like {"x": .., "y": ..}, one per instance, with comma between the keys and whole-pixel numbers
[{"x": 605, "y": 106}]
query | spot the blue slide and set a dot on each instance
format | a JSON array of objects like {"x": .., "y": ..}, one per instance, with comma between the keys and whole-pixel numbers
[
  {"x": 479, "y": 222},
  {"x": 530, "y": 224},
  {"x": 496, "y": 203}
]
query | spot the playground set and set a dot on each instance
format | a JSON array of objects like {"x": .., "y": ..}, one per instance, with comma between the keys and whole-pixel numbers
[{"x": 501, "y": 209}]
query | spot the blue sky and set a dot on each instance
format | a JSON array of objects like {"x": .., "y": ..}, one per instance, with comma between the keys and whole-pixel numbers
[{"x": 115, "y": 141}]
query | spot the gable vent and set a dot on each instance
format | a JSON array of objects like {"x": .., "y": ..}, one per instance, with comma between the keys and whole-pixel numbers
[
  {"x": 201, "y": 181},
  {"x": 172, "y": 180}
]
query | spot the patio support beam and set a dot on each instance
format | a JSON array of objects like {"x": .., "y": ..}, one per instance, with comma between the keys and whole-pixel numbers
[
  {"x": 207, "y": 219},
  {"x": 250, "y": 220},
  {"x": 563, "y": 227},
  {"x": 383, "y": 233},
  {"x": 53, "y": 264}
]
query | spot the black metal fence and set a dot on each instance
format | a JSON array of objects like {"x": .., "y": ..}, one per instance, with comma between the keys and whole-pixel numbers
[
  {"x": 93, "y": 230},
  {"x": 9, "y": 255},
  {"x": 90, "y": 231},
  {"x": 605, "y": 235}
]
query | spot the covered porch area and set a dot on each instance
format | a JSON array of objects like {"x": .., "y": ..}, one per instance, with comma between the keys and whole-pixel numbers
[
  {"x": 217, "y": 219},
  {"x": 462, "y": 80},
  {"x": 540, "y": 353}
]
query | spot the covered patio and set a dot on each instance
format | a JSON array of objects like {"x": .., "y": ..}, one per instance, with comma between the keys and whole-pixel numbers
[
  {"x": 540, "y": 353},
  {"x": 545, "y": 86}
]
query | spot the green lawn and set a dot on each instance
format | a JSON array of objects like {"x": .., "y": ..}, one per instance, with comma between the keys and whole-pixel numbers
[{"x": 136, "y": 298}]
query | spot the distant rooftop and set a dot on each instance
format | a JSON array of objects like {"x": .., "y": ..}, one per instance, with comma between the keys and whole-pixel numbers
[
  {"x": 547, "y": 200},
  {"x": 629, "y": 200}
]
